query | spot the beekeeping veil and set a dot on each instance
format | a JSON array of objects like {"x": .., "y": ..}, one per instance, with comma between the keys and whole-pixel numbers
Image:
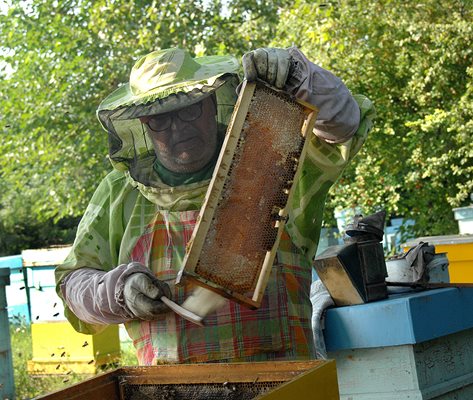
[{"x": 163, "y": 81}]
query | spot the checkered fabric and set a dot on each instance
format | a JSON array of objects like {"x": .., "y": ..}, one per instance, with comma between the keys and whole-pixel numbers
[{"x": 280, "y": 328}]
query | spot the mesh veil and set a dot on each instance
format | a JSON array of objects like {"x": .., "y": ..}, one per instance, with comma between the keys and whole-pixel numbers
[{"x": 130, "y": 147}]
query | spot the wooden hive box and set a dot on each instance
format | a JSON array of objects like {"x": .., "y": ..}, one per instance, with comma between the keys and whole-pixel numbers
[
  {"x": 281, "y": 380},
  {"x": 59, "y": 349},
  {"x": 56, "y": 347},
  {"x": 459, "y": 249}
]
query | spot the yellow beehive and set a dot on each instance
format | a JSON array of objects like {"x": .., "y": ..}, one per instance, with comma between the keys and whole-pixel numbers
[
  {"x": 459, "y": 249},
  {"x": 59, "y": 349}
]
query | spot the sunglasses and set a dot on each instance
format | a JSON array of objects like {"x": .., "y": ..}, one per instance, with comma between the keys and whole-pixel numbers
[{"x": 162, "y": 122}]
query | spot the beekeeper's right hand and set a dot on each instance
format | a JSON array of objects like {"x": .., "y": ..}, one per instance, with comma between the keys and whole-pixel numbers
[{"x": 126, "y": 292}]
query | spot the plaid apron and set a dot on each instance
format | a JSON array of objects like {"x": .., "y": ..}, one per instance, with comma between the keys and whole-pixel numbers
[{"x": 279, "y": 329}]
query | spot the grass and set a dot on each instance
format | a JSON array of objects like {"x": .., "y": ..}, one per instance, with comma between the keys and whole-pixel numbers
[{"x": 28, "y": 387}]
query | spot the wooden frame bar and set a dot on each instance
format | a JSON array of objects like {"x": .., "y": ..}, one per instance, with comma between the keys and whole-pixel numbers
[{"x": 216, "y": 187}]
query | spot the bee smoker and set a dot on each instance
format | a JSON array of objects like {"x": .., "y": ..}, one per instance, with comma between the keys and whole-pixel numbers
[{"x": 355, "y": 272}]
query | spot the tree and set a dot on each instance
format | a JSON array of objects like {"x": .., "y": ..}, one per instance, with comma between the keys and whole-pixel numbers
[
  {"x": 59, "y": 59},
  {"x": 414, "y": 62}
]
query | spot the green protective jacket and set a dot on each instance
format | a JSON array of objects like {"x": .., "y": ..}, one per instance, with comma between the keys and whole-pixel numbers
[{"x": 129, "y": 198}]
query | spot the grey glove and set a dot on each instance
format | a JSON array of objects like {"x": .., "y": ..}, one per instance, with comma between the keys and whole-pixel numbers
[
  {"x": 268, "y": 64},
  {"x": 321, "y": 301},
  {"x": 142, "y": 295}
]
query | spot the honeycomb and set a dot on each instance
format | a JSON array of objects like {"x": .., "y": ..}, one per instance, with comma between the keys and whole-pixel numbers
[
  {"x": 243, "y": 228},
  {"x": 201, "y": 391}
]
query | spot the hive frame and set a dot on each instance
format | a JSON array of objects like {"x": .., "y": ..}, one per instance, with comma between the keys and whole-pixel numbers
[
  {"x": 316, "y": 379},
  {"x": 214, "y": 192}
]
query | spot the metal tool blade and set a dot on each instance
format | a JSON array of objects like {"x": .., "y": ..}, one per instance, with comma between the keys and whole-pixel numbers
[{"x": 186, "y": 314}]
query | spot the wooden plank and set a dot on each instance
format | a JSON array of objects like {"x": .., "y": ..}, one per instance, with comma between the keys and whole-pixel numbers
[
  {"x": 98, "y": 388},
  {"x": 435, "y": 369},
  {"x": 45, "y": 257},
  {"x": 7, "y": 384},
  {"x": 50, "y": 339},
  {"x": 276, "y": 371},
  {"x": 318, "y": 383}
]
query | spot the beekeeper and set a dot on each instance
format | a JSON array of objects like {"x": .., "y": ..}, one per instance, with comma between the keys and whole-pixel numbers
[{"x": 165, "y": 129}]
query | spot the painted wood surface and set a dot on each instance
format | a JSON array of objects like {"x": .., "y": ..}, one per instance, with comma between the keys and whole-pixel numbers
[
  {"x": 407, "y": 318},
  {"x": 16, "y": 293},
  {"x": 459, "y": 250},
  {"x": 58, "y": 349},
  {"x": 441, "y": 368},
  {"x": 7, "y": 386}
]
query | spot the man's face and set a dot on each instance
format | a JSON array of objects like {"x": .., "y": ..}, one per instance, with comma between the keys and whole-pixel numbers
[{"x": 184, "y": 140}]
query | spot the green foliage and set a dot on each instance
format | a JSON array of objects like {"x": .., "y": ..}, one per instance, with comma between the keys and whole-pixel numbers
[
  {"x": 59, "y": 59},
  {"x": 31, "y": 234},
  {"x": 414, "y": 62}
]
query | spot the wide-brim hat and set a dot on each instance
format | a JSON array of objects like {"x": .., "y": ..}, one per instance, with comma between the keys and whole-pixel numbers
[{"x": 162, "y": 73}]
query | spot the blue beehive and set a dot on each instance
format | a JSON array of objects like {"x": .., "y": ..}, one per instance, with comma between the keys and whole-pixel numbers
[
  {"x": 411, "y": 346},
  {"x": 39, "y": 265},
  {"x": 7, "y": 387},
  {"x": 16, "y": 292}
]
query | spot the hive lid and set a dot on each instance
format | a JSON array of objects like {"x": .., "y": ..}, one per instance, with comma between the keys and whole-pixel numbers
[{"x": 438, "y": 240}]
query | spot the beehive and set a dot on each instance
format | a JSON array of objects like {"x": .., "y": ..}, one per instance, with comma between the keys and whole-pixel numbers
[
  {"x": 59, "y": 349},
  {"x": 281, "y": 380},
  {"x": 459, "y": 250},
  {"x": 234, "y": 243},
  {"x": 56, "y": 347}
]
